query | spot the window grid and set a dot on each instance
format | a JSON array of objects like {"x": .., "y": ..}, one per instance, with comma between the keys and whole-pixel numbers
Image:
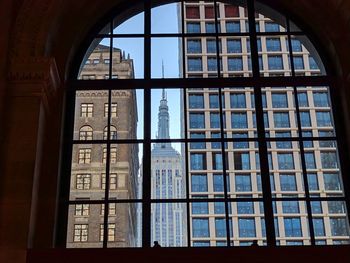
[{"x": 322, "y": 121}]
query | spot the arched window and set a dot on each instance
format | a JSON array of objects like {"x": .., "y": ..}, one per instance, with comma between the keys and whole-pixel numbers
[
  {"x": 113, "y": 133},
  {"x": 85, "y": 133},
  {"x": 226, "y": 131}
]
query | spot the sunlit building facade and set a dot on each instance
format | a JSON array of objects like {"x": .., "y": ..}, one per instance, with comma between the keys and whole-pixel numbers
[
  {"x": 90, "y": 160},
  {"x": 242, "y": 162}
]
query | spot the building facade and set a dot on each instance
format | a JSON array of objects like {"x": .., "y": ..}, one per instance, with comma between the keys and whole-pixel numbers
[
  {"x": 242, "y": 162},
  {"x": 91, "y": 161}
]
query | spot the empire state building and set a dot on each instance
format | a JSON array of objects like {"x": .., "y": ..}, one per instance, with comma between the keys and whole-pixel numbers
[{"x": 167, "y": 222}]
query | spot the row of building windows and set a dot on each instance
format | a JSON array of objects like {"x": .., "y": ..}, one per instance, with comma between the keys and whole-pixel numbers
[
  {"x": 87, "y": 110},
  {"x": 84, "y": 155},
  {"x": 83, "y": 181},
  {"x": 97, "y": 61},
  {"x": 81, "y": 232},
  {"x": 247, "y": 227},
  {"x": 273, "y": 62},
  {"x": 242, "y": 160},
  {"x": 239, "y": 100},
  {"x": 231, "y": 27},
  {"x": 84, "y": 209},
  {"x": 239, "y": 120},
  {"x": 86, "y": 133},
  {"x": 235, "y": 45},
  {"x": 243, "y": 182}
]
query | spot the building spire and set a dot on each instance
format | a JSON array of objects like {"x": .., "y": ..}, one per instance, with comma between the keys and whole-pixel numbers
[{"x": 162, "y": 68}]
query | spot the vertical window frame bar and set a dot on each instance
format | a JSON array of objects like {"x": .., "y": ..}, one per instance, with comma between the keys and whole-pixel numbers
[{"x": 263, "y": 152}]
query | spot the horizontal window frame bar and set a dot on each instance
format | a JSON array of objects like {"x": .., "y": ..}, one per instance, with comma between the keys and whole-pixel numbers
[
  {"x": 209, "y": 200},
  {"x": 182, "y": 83}
]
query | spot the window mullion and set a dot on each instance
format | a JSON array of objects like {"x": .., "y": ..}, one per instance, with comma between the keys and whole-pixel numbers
[
  {"x": 146, "y": 186},
  {"x": 263, "y": 153}
]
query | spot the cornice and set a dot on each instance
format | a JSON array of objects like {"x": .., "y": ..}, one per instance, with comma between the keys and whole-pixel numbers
[{"x": 34, "y": 77}]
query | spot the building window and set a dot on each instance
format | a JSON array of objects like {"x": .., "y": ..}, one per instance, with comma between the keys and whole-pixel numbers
[
  {"x": 85, "y": 133},
  {"x": 243, "y": 183},
  {"x": 275, "y": 62},
  {"x": 246, "y": 227},
  {"x": 199, "y": 183},
  {"x": 200, "y": 227},
  {"x": 82, "y": 210},
  {"x": 80, "y": 233},
  {"x": 86, "y": 109},
  {"x": 194, "y": 64},
  {"x": 273, "y": 44},
  {"x": 193, "y": 27},
  {"x": 234, "y": 46},
  {"x": 231, "y": 11},
  {"x": 281, "y": 119},
  {"x": 83, "y": 181},
  {"x": 292, "y": 227},
  {"x": 194, "y": 46},
  {"x": 113, "y": 133},
  {"x": 111, "y": 232},
  {"x": 235, "y": 64},
  {"x": 84, "y": 156},
  {"x": 279, "y": 100},
  {"x": 113, "y": 155},
  {"x": 285, "y": 161},
  {"x": 113, "y": 110},
  {"x": 321, "y": 99},
  {"x": 197, "y": 121},
  {"x": 288, "y": 182},
  {"x": 192, "y": 12},
  {"x": 233, "y": 27},
  {"x": 112, "y": 181}
]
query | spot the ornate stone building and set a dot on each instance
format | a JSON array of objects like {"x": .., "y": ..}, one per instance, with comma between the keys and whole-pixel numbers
[{"x": 89, "y": 160}]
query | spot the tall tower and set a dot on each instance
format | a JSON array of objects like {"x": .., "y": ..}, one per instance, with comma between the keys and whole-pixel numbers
[{"x": 167, "y": 220}]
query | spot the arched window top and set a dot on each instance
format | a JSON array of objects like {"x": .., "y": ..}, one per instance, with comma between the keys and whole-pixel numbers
[
  {"x": 122, "y": 42},
  {"x": 227, "y": 102}
]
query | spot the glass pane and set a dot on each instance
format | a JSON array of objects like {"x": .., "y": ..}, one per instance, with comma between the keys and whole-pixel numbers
[
  {"x": 280, "y": 113},
  {"x": 269, "y": 20},
  {"x": 133, "y": 25},
  {"x": 171, "y": 13},
  {"x": 306, "y": 60},
  {"x": 167, "y": 171},
  {"x": 249, "y": 224},
  {"x": 128, "y": 58},
  {"x": 126, "y": 113},
  {"x": 165, "y": 64},
  {"x": 169, "y": 224},
  {"x": 273, "y": 56},
  {"x": 95, "y": 64},
  {"x": 291, "y": 223},
  {"x": 124, "y": 225},
  {"x": 83, "y": 230},
  {"x": 89, "y": 116},
  {"x": 330, "y": 222},
  {"x": 166, "y": 114},
  {"x": 239, "y": 113},
  {"x": 88, "y": 168},
  {"x": 125, "y": 175}
]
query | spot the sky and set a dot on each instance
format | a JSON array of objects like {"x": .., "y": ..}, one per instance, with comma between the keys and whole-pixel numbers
[{"x": 163, "y": 50}]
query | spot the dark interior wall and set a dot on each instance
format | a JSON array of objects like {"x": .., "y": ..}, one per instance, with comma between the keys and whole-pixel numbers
[{"x": 39, "y": 39}]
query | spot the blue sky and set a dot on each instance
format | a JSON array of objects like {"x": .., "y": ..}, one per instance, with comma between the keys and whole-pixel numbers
[{"x": 163, "y": 50}]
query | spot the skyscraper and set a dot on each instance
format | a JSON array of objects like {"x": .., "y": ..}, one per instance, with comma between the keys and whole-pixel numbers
[
  {"x": 89, "y": 159},
  {"x": 167, "y": 220}
]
